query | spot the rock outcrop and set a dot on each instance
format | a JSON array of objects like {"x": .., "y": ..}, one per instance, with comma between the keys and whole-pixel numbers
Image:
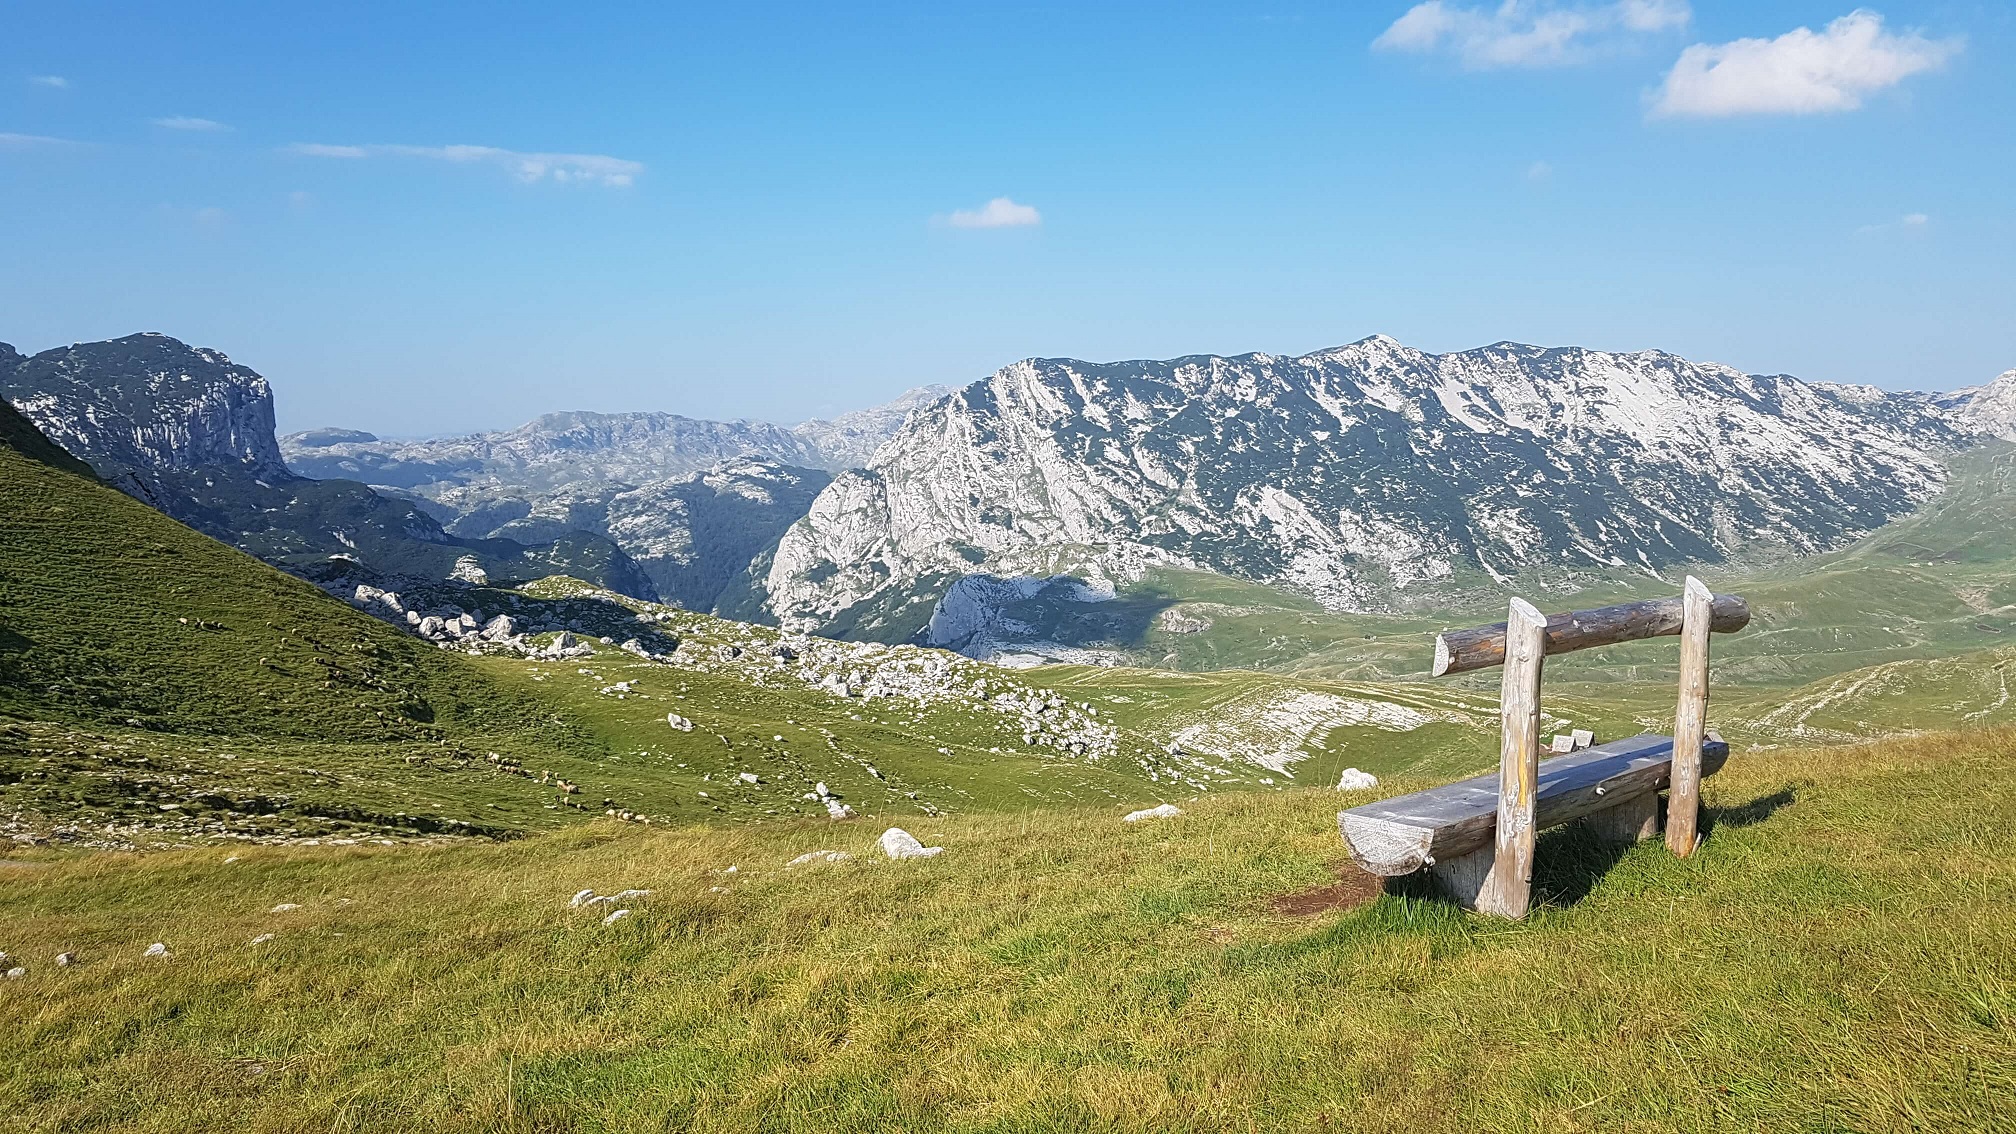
[
  {"x": 190, "y": 432},
  {"x": 1989, "y": 409}
]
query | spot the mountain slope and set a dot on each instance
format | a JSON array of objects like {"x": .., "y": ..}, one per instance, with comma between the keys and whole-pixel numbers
[
  {"x": 20, "y": 435},
  {"x": 159, "y": 686},
  {"x": 191, "y": 432},
  {"x": 1991, "y": 409},
  {"x": 694, "y": 502},
  {"x": 849, "y": 441},
  {"x": 692, "y": 536},
  {"x": 1370, "y": 477}
]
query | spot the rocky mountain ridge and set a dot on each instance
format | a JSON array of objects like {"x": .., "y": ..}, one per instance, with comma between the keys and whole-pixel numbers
[
  {"x": 190, "y": 432},
  {"x": 147, "y": 404},
  {"x": 1989, "y": 409},
  {"x": 570, "y": 449},
  {"x": 694, "y": 502},
  {"x": 694, "y": 536},
  {"x": 1372, "y": 477}
]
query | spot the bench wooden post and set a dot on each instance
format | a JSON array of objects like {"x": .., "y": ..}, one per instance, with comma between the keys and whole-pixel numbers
[
  {"x": 1477, "y": 836},
  {"x": 1690, "y": 720},
  {"x": 1507, "y": 889}
]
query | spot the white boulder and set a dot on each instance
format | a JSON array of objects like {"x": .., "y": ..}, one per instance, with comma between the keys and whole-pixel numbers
[
  {"x": 1355, "y": 780},
  {"x": 1165, "y": 811},
  {"x": 898, "y": 843}
]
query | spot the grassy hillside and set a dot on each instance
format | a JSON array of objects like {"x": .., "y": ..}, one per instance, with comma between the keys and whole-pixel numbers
[
  {"x": 1934, "y": 584},
  {"x": 157, "y": 686},
  {"x": 1838, "y": 957}
]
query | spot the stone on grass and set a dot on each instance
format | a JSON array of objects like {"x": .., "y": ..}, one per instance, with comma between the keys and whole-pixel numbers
[
  {"x": 678, "y": 722},
  {"x": 577, "y": 900},
  {"x": 16, "y": 973},
  {"x": 65, "y": 960},
  {"x": 1165, "y": 811},
  {"x": 263, "y": 938},
  {"x": 286, "y": 907},
  {"x": 818, "y": 856},
  {"x": 837, "y": 810},
  {"x": 898, "y": 843},
  {"x": 613, "y": 918},
  {"x": 156, "y": 950},
  {"x": 1355, "y": 780}
]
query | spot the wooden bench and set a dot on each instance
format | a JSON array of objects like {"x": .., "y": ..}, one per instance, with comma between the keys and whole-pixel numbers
[
  {"x": 1477, "y": 835},
  {"x": 1450, "y": 830}
]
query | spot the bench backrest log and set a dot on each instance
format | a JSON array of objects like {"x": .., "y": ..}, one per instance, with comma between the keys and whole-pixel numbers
[
  {"x": 1521, "y": 644},
  {"x": 1460, "y": 651}
]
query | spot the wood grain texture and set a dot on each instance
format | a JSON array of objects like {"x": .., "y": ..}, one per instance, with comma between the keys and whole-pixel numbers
[
  {"x": 1462, "y": 878},
  {"x": 1508, "y": 888},
  {"x": 1690, "y": 721},
  {"x": 1632, "y": 821},
  {"x": 1406, "y": 833},
  {"x": 1459, "y": 651}
]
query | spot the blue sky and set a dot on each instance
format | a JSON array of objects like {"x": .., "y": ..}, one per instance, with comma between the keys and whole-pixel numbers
[{"x": 429, "y": 221}]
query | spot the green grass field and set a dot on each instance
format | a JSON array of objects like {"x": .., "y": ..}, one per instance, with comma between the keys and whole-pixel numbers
[{"x": 1838, "y": 957}]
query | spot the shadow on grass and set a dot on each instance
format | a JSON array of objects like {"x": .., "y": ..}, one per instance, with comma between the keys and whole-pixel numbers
[
  {"x": 1746, "y": 814},
  {"x": 1570, "y": 860}
]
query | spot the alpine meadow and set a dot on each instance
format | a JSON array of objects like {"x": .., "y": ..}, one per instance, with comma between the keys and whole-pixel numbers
[{"x": 738, "y": 569}]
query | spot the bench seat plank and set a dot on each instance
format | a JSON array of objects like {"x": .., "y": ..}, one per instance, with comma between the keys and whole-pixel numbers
[{"x": 1401, "y": 835}]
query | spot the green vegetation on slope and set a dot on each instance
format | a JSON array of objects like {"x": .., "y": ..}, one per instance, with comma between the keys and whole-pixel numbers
[
  {"x": 1937, "y": 583},
  {"x": 156, "y": 686},
  {"x": 113, "y": 614},
  {"x": 1837, "y": 957}
]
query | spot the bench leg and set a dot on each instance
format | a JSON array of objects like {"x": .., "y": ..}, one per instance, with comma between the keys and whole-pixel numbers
[
  {"x": 1631, "y": 821},
  {"x": 1463, "y": 877}
]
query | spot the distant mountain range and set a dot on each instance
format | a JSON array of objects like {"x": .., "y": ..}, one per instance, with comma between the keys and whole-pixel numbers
[
  {"x": 573, "y": 449},
  {"x": 692, "y": 501},
  {"x": 1370, "y": 477}
]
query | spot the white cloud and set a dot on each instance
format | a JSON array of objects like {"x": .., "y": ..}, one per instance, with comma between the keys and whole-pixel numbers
[
  {"x": 27, "y": 141},
  {"x": 997, "y": 213},
  {"x": 1527, "y": 33},
  {"x": 317, "y": 149},
  {"x": 183, "y": 122},
  {"x": 1800, "y": 72},
  {"x": 1909, "y": 222},
  {"x": 56, "y": 81},
  {"x": 598, "y": 169},
  {"x": 1539, "y": 171}
]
